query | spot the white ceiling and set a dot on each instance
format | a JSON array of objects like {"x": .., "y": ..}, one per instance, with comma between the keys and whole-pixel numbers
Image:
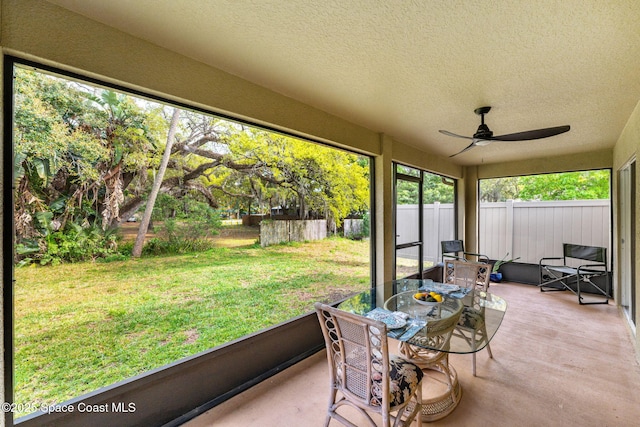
[{"x": 409, "y": 68}]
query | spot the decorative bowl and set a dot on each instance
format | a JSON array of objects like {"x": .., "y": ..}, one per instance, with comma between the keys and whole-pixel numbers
[{"x": 428, "y": 303}]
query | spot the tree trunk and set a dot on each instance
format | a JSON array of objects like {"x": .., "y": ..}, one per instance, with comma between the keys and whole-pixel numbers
[{"x": 157, "y": 183}]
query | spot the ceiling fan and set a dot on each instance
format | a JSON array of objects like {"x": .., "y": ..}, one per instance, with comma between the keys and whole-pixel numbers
[{"x": 484, "y": 136}]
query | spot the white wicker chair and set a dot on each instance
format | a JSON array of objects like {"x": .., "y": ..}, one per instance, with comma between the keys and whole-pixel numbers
[
  {"x": 362, "y": 373},
  {"x": 436, "y": 337},
  {"x": 471, "y": 326}
]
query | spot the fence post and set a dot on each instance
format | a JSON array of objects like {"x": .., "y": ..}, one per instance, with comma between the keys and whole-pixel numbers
[
  {"x": 436, "y": 226},
  {"x": 509, "y": 232}
]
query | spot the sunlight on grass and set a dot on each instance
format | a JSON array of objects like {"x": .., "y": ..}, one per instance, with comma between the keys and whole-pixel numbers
[{"x": 84, "y": 326}]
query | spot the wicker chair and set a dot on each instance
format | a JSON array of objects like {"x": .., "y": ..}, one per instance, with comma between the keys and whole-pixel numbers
[
  {"x": 436, "y": 336},
  {"x": 471, "y": 326},
  {"x": 363, "y": 374}
]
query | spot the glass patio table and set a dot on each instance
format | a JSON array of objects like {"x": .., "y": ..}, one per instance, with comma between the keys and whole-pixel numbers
[
  {"x": 408, "y": 322},
  {"x": 397, "y": 296}
]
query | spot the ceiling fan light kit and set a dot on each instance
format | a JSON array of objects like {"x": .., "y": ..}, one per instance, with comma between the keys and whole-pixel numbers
[{"x": 484, "y": 135}]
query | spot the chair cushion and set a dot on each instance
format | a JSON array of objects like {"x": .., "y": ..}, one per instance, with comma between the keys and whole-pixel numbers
[
  {"x": 404, "y": 378},
  {"x": 470, "y": 318}
]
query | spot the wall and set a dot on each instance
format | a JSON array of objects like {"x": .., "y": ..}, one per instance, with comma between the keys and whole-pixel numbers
[
  {"x": 353, "y": 227},
  {"x": 626, "y": 149}
]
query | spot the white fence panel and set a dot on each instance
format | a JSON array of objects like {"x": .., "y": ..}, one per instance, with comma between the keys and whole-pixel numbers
[
  {"x": 407, "y": 224},
  {"x": 529, "y": 230},
  {"x": 540, "y": 228},
  {"x": 439, "y": 224}
]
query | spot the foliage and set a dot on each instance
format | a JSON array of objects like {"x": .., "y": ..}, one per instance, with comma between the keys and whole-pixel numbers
[
  {"x": 566, "y": 186},
  {"x": 189, "y": 207},
  {"x": 186, "y": 226},
  {"x": 310, "y": 180},
  {"x": 499, "y": 189},
  {"x": 366, "y": 224},
  {"x": 584, "y": 185},
  {"x": 435, "y": 189},
  {"x": 72, "y": 151},
  {"x": 74, "y": 244},
  {"x": 407, "y": 192},
  {"x": 87, "y": 156},
  {"x": 178, "y": 238},
  {"x": 499, "y": 263}
]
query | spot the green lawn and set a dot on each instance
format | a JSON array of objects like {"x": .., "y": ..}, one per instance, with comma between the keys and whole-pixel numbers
[{"x": 84, "y": 326}]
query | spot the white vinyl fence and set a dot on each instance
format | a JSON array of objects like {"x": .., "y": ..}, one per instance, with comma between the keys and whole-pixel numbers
[
  {"x": 532, "y": 230},
  {"x": 529, "y": 230},
  {"x": 439, "y": 224}
]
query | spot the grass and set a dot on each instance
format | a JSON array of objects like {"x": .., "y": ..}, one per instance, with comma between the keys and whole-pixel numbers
[{"x": 80, "y": 327}]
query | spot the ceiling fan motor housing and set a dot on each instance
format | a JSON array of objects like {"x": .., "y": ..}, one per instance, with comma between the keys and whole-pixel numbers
[{"x": 483, "y": 132}]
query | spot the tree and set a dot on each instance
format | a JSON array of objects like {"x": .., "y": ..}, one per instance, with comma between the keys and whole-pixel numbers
[
  {"x": 316, "y": 180},
  {"x": 76, "y": 151},
  {"x": 84, "y": 155},
  {"x": 146, "y": 218},
  {"x": 565, "y": 186},
  {"x": 581, "y": 185},
  {"x": 499, "y": 189},
  {"x": 435, "y": 188}
]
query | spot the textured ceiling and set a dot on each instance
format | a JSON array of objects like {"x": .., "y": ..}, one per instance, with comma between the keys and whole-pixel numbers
[{"x": 409, "y": 68}]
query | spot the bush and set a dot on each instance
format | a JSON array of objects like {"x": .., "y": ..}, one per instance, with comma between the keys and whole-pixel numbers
[
  {"x": 177, "y": 238},
  {"x": 74, "y": 243}
]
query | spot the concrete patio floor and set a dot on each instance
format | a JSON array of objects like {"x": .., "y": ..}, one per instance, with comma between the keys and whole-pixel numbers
[{"x": 556, "y": 363}]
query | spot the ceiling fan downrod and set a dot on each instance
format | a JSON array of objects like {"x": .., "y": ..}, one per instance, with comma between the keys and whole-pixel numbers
[{"x": 483, "y": 130}]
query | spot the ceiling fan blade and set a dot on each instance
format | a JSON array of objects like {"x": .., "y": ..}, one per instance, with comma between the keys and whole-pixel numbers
[
  {"x": 468, "y": 147},
  {"x": 446, "y": 132},
  {"x": 532, "y": 134}
]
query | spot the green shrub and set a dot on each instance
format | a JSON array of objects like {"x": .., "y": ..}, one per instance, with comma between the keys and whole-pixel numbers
[
  {"x": 187, "y": 225},
  {"x": 178, "y": 237},
  {"x": 74, "y": 243}
]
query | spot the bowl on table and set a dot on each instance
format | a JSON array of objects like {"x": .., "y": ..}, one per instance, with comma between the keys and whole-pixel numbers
[{"x": 428, "y": 298}]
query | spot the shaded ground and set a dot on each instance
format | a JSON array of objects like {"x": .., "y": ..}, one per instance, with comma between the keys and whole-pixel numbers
[{"x": 231, "y": 236}]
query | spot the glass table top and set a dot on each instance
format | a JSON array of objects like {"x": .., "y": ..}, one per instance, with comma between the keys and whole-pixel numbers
[{"x": 484, "y": 309}]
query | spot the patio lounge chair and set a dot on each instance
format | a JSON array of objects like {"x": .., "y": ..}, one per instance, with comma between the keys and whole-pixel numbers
[{"x": 559, "y": 277}]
